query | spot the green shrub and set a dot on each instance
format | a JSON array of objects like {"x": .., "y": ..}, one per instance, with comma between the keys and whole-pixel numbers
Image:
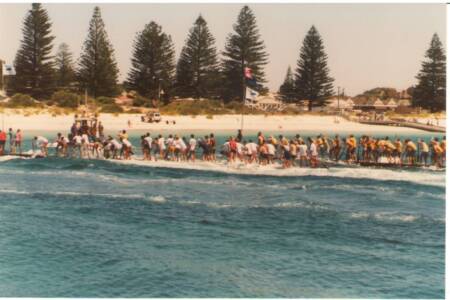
[
  {"x": 105, "y": 100},
  {"x": 22, "y": 100},
  {"x": 142, "y": 101},
  {"x": 111, "y": 108},
  {"x": 66, "y": 99},
  {"x": 134, "y": 111}
]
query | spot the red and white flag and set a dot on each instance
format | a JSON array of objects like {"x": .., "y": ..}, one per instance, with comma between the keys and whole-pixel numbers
[{"x": 248, "y": 73}]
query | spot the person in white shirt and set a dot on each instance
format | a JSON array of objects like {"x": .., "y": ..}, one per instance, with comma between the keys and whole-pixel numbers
[
  {"x": 271, "y": 152},
  {"x": 85, "y": 145},
  {"x": 116, "y": 148},
  {"x": 312, "y": 153},
  {"x": 303, "y": 154},
  {"x": 42, "y": 143},
  {"x": 251, "y": 151},
  {"x": 192, "y": 148},
  {"x": 127, "y": 148},
  {"x": 170, "y": 152},
  {"x": 180, "y": 148},
  {"x": 77, "y": 140},
  {"x": 161, "y": 146},
  {"x": 146, "y": 143},
  {"x": 240, "y": 148}
]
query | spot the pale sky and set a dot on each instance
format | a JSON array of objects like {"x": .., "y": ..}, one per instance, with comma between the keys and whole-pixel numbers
[{"x": 368, "y": 45}]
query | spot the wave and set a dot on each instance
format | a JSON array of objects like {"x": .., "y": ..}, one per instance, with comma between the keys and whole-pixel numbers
[
  {"x": 155, "y": 199},
  {"x": 384, "y": 217},
  {"x": 392, "y": 217},
  {"x": 424, "y": 177},
  {"x": 418, "y": 177},
  {"x": 4, "y": 158}
]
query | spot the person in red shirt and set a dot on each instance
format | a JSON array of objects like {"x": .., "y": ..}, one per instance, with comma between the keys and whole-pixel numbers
[{"x": 2, "y": 142}]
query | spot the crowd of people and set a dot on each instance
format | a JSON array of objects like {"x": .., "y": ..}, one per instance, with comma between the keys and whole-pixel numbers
[
  {"x": 90, "y": 142},
  {"x": 311, "y": 151},
  {"x": 11, "y": 141}
]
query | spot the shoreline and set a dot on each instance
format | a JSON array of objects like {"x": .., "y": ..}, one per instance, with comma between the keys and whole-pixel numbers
[{"x": 111, "y": 122}]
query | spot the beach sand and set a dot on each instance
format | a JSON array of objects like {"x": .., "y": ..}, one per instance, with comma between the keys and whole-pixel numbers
[{"x": 47, "y": 122}]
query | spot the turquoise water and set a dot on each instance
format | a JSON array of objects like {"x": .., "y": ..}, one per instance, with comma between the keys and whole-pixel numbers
[{"x": 86, "y": 228}]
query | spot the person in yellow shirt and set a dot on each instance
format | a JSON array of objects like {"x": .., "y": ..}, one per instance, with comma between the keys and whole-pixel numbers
[
  {"x": 437, "y": 152},
  {"x": 423, "y": 152},
  {"x": 398, "y": 152},
  {"x": 351, "y": 148},
  {"x": 410, "y": 149},
  {"x": 389, "y": 149}
]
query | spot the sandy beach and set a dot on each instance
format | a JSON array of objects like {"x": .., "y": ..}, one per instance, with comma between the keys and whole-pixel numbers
[{"x": 47, "y": 122}]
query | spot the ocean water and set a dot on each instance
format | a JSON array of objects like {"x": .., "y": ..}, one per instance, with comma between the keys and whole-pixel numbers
[{"x": 93, "y": 228}]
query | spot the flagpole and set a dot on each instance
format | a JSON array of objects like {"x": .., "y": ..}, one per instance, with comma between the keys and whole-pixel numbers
[
  {"x": 244, "y": 92},
  {"x": 242, "y": 113}
]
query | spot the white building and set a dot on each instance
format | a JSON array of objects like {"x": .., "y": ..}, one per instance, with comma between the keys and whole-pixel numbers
[
  {"x": 269, "y": 102},
  {"x": 340, "y": 104}
]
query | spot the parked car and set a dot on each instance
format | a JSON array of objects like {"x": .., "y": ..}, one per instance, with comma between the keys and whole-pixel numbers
[{"x": 151, "y": 116}]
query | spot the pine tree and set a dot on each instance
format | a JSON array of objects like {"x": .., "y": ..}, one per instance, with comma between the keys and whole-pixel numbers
[
  {"x": 152, "y": 63},
  {"x": 97, "y": 70},
  {"x": 244, "y": 48},
  {"x": 197, "y": 68},
  {"x": 312, "y": 80},
  {"x": 65, "y": 74},
  {"x": 430, "y": 92},
  {"x": 287, "y": 89},
  {"x": 33, "y": 62}
]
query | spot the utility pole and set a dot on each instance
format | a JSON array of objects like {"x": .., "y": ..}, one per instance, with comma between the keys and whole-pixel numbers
[
  {"x": 244, "y": 92},
  {"x": 159, "y": 90},
  {"x": 338, "y": 95}
]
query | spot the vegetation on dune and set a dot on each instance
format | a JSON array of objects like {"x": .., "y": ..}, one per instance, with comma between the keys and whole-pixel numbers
[
  {"x": 22, "y": 100},
  {"x": 65, "y": 99},
  {"x": 111, "y": 108},
  {"x": 141, "y": 101},
  {"x": 205, "y": 107}
]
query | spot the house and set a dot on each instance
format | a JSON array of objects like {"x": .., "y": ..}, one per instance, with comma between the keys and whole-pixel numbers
[
  {"x": 339, "y": 104},
  {"x": 390, "y": 104},
  {"x": 374, "y": 104},
  {"x": 269, "y": 102},
  {"x": 404, "y": 102}
]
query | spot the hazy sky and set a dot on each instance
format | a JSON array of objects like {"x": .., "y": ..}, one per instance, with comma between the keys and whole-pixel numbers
[{"x": 368, "y": 45}]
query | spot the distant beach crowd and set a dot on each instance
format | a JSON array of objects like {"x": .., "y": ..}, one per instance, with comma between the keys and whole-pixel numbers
[{"x": 85, "y": 141}]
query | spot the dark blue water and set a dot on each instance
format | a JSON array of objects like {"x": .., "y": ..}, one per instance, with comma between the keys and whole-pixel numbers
[{"x": 85, "y": 228}]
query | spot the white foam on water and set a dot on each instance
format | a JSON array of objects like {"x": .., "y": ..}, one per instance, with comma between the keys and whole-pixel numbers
[
  {"x": 4, "y": 158},
  {"x": 158, "y": 199},
  {"x": 72, "y": 193},
  {"x": 389, "y": 216},
  {"x": 420, "y": 177}
]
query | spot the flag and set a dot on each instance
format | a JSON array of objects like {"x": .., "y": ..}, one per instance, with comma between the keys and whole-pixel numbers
[
  {"x": 248, "y": 73},
  {"x": 8, "y": 70},
  {"x": 251, "y": 94}
]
